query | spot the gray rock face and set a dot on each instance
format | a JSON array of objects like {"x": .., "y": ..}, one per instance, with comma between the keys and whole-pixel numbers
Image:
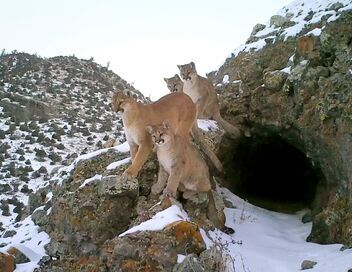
[
  {"x": 24, "y": 108},
  {"x": 307, "y": 264},
  {"x": 279, "y": 21},
  {"x": 211, "y": 259},
  {"x": 310, "y": 109},
  {"x": 83, "y": 217},
  {"x": 157, "y": 250},
  {"x": 257, "y": 28},
  {"x": 274, "y": 80}
]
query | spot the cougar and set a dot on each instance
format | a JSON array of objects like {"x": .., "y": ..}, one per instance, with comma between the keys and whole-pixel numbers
[
  {"x": 203, "y": 94},
  {"x": 175, "y": 84},
  {"x": 178, "y": 108},
  {"x": 181, "y": 167}
]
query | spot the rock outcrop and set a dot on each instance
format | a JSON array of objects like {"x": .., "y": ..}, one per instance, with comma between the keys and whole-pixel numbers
[
  {"x": 298, "y": 87},
  {"x": 90, "y": 207}
]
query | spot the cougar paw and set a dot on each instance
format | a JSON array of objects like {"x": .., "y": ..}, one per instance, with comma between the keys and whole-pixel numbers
[
  {"x": 126, "y": 176},
  {"x": 156, "y": 189},
  {"x": 169, "y": 193}
]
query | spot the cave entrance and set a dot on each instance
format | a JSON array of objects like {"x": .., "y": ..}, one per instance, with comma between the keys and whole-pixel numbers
[{"x": 270, "y": 173}]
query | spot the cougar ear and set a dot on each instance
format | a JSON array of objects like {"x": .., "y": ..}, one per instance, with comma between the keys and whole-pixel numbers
[
  {"x": 149, "y": 129},
  {"x": 177, "y": 76},
  {"x": 165, "y": 79},
  {"x": 128, "y": 93},
  {"x": 179, "y": 66},
  {"x": 166, "y": 124},
  {"x": 193, "y": 65}
]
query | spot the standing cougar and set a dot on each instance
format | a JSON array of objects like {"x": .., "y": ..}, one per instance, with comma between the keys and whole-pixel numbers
[
  {"x": 175, "y": 84},
  {"x": 178, "y": 108},
  {"x": 203, "y": 94},
  {"x": 182, "y": 168}
]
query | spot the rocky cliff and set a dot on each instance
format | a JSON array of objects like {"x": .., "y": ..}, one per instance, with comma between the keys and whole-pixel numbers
[{"x": 291, "y": 84}]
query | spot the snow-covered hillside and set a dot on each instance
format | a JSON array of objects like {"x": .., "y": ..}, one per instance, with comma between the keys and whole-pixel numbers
[
  {"x": 51, "y": 111},
  {"x": 296, "y": 18}
]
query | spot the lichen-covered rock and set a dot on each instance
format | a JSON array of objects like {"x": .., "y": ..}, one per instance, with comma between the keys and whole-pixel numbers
[
  {"x": 95, "y": 165},
  {"x": 333, "y": 223},
  {"x": 212, "y": 259},
  {"x": 310, "y": 109},
  {"x": 18, "y": 255},
  {"x": 257, "y": 28},
  {"x": 7, "y": 262},
  {"x": 153, "y": 250},
  {"x": 85, "y": 218},
  {"x": 274, "y": 80},
  {"x": 307, "y": 264},
  {"x": 280, "y": 21}
]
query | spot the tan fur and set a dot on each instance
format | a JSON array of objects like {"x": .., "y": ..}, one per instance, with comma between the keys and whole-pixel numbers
[
  {"x": 174, "y": 84},
  {"x": 202, "y": 92},
  {"x": 199, "y": 139},
  {"x": 181, "y": 167},
  {"x": 178, "y": 108}
]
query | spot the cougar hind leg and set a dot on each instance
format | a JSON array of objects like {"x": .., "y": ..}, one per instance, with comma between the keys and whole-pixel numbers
[{"x": 199, "y": 139}]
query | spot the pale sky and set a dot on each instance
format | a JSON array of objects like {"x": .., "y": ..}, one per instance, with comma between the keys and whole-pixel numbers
[{"x": 142, "y": 40}]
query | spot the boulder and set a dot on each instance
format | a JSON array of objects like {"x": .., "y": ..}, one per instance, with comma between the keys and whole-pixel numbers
[
  {"x": 7, "y": 262},
  {"x": 274, "y": 80},
  {"x": 85, "y": 218},
  {"x": 307, "y": 264},
  {"x": 153, "y": 250},
  {"x": 18, "y": 255},
  {"x": 280, "y": 21}
]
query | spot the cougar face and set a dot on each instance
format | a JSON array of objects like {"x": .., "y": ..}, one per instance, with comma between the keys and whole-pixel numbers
[
  {"x": 161, "y": 134},
  {"x": 174, "y": 84},
  {"x": 186, "y": 70},
  {"x": 119, "y": 100}
]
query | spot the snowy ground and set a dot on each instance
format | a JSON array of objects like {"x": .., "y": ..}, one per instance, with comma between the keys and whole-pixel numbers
[{"x": 264, "y": 241}]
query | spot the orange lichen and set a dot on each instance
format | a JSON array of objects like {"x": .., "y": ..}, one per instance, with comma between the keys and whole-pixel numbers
[
  {"x": 129, "y": 265},
  {"x": 7, "y": 262}
]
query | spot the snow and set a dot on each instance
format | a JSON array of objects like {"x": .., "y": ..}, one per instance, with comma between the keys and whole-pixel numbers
[
  {"x": 225, "y": 80},
  {"x": 207, "y": 125},
  {"x": 180, "y": 258},
  {"x": 314, "y": 32},
  {"x": 304, "y": 13},
  {"x": 123, "y": 148},
  {"x": 87, "y": 181},
  {"x": 160, "y": 220},
  {"x": 30, "y": 241},
  {"x": 266, "y": 241},
  {"x": 116, "y": 164},
  {"x": 286, "y": 70}
]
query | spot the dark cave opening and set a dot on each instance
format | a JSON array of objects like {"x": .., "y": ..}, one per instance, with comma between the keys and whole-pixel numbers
[{"x": 270, "y": 173}]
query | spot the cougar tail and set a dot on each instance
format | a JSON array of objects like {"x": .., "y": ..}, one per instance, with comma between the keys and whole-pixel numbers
[
  {"x": 199, "y": 139},
  {"x": 215, "y": 216},
  {"x": 233, "y": 131}
]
